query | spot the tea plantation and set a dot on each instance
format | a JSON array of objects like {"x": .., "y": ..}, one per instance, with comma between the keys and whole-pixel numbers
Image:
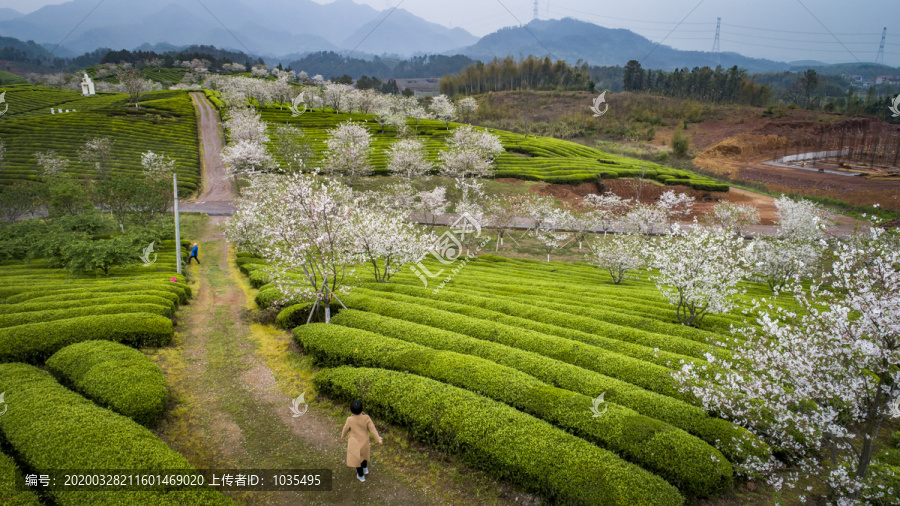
[
  {"x": 503, "y": 364},
  {"x": 526, "y": 157},
  {"x": 89, "y": 408},
  {"x": 165, "y": 123}
]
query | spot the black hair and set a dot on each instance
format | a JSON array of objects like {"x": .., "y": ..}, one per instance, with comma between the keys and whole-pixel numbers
[{"x": 356, "y": 407}]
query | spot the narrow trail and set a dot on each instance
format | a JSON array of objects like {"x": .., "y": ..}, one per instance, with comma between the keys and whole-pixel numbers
[{"x": 229, "y": 409}]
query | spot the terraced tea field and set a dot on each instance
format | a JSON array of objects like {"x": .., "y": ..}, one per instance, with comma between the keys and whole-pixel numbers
[
  {"x": 545, "y": 372},
  {"x": 165, "y": 123},
  {"x": 526, "y": 157}
]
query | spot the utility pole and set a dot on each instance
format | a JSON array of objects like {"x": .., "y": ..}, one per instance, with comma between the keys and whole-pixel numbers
[
  {"x": 177, "y": 225},
  {"x": 880, "y": 57},
  {"x": 716, "y": 42},
  {"x": 535, "y": 10}
]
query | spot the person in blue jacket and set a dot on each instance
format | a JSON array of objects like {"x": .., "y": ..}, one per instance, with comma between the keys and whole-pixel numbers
[{"x": 194, "y": 249}]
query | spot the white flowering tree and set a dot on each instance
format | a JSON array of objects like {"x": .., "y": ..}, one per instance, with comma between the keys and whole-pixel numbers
[
  {"x": 304, "y": 227},
  {"x": 550, "y": 231},
  {"x": 386, "y": 241},
  {"x": 795, "y": 251},
  {"x": 247, "y": 158},
  {"x": 698, "y": 271},
  {"x": 97, "y": 152},
  {"x": 676, "y": 206},
  {"x": 818, "y": 380},
  {"x": 157, "y": 166},
  {"x": 732, "y": 218},
  {"x": 407, "y": 159},
  {"x": 443, "y": 109},
  {"x": 618, "y": 254},
  {"x": 349, "y": 148},
  {"x": 467, "y": 107},
  {"x": 431, "y": 204},
  {"x": 580, "y": 222},
  {"x": 292, "y": 147},
  {"x": 336, "y": 96},
  {"x": 244, "y": 123},
  {"x": 469, "y": 157},
  {"x": 607, "y": 208},
  {"x": 51, "y": 162},
  {"x": 645, "y": 219},
  {"x": 502, "y": 213}
]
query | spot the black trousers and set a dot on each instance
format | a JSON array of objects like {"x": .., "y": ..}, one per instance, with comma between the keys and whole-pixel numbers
[
  {"x": 194, "y": 258},
  {"x": 359, "y": 470}
]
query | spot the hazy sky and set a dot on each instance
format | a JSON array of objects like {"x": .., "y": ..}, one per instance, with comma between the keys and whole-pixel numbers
[{"x": 777, "y": 29}]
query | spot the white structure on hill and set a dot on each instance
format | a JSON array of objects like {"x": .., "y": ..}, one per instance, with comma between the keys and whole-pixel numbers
[{"x": 87, "y": 85}]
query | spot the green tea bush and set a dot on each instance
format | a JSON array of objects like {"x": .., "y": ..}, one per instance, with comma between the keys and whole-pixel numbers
[
  {"x": 498, "y": 438},
  {"x": 35, "y": 342},
  {"x": 683, "y": 460},
  {"x": 11, "y": 320},
  {"x": 114, "y": 376},
  {"x": 51, "y": 427},
  {"x": 11, "y": 479},
  {"x": 97, "y": 301}
]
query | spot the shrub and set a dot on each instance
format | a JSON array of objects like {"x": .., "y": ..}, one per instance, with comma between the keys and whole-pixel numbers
[
  {"x": 81, "y": 435},
  {"x": 678, "y": 413},
  {"x": 113, "y": 376},
  {"x": 293, "y": 316},
  {"x": 498, "y": 438},
  {"x": 86, "y": 295},
  {"x": 11, "y": 320},
  {"x": 35, "y": 342},
  {"x": 98, "y": 301},
  {"x": 178, "y": 289},
  {"x": 11, "y": 479},
  {"x": 634, "y": 371},
  {"x": 681, "y": 459}
]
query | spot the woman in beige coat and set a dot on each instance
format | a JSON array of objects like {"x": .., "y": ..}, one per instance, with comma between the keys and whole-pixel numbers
[{"x": 359, "y": 426}]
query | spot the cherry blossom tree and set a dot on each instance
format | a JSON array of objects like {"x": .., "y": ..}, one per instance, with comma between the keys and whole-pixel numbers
[
  {"x": 470, "y": 156},
  {"x": 443, "y": 109},
  {"x": 51, "y": 162},
  {"x": 607, "y": 208},
  {"x": 580, "y": 222},
  {"x": 387, "y": 242},
  {"x": 502, "y": 213},
  {"x": 336, "y": 95},
  {"x": 732, "y": 218},
  {"x": 645, "y": 219},
  {"x": 245, "y": 124},
  {"x": 817, "y": 380},
  {"x": 290, "y": 145},
  {"x": 466, "y": 107},
  {"x": 698, "y": 271},
  {"x": 157, "y": 166},
  {"x": 549, "y": 232},
  {"x": 537, "y": 208},
  {"x": 247, "y": 158},
  {"x": 349, "y": 146},
  {"x": 618, "y": 254},
  {"x": 432, "y": 203},
  {"x": 97, "y": 152},
  {"x": 675, "y": 206},
  {"x": 799, "y": 219},
  {"x": 407, "y": 158},
  {"x": 304, "y": 227}
]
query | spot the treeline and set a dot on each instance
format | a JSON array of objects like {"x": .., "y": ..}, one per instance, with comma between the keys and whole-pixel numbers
[
  {"x": 330, "y": 64},
  {"x": 215, "y": 57},
  {"x": 703, "y": 84},
  {"x": 527, "y": 74},
  {"x": 30, "y": 56}
]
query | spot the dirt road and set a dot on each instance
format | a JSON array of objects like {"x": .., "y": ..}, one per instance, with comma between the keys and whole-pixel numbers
[{"x": 217, "y": 194}]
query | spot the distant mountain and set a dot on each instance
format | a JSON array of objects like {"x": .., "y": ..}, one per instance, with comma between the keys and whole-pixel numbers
[
  {"x": 572, "y": 40},
  {"x": 276, "y": 27},
  {"x": 6, "y": 14}
]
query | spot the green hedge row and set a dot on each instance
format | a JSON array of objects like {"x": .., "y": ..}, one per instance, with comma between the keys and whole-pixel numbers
[
  {"x": 114, "y": 376},
  {"x": 87, "y": 295},
  {"x": 692, "y": 465},
  {"x": 11, "y": 320},
  {"x": 637, "y": 372},
  {"x": 98, "y": 301},
  {"x": 51, "y": 427},
  {"x": 35, "y": 342},
  {"x": 294, "y": 315},
  {"x": 613, "y": 338},
  {"x": 496, "y": 437},
  {"x": 11, "y": 479},
  {"x": 181, "y": 290},
  {"x": 735, "y": 442}
]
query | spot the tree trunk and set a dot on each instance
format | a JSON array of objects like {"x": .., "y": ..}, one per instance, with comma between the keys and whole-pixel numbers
[{"x": 327, "y": 312}]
